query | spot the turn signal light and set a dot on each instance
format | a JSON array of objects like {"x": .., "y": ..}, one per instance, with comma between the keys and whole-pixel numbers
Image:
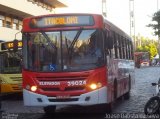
[{"x": 28, "y": 87}]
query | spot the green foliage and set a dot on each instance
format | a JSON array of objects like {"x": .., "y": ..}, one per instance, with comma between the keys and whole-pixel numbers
[
  {"x": 156, "y": 25},
  {"x": 150, "y": 46},
  {"x": 147, "y": 45},
  {"x": 152, "y": 50}
]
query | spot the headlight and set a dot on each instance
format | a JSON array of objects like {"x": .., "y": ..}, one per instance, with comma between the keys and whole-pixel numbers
[
  {"x": 33, "y": 88},
  {"x": 94, "y": 86}
]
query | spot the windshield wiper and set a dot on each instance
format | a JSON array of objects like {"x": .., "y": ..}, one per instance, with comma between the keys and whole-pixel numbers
[
  {"x": 73, "y": 42},
  {"x": 48, "y": 40}
]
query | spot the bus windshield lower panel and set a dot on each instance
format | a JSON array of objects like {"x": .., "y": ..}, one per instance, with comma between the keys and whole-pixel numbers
[{"x": 73, "y": 50}]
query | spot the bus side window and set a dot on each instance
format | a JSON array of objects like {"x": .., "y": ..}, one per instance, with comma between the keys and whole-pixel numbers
[
  {"x": 108, "y": 42},
  {"x": 115, "y": 46},
  {"x": 123, "y": 48},
  {"x": 106, "y": 34},
  {"x": 127, "y": 49}
]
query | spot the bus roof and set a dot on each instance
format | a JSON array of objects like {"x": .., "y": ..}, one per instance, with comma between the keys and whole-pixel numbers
[
  {"x": 99, "y": 21},
  {"x": 62, "y": 14},
  {"x": 116, "y": 29}
]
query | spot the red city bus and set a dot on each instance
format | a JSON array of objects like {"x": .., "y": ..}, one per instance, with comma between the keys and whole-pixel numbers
[
  {"x": 75, "y": 59},
  {"x": 142, "y": 59}
]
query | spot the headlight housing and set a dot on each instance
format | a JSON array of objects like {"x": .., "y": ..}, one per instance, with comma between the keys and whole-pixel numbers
[{"x": 94, "y": 86}]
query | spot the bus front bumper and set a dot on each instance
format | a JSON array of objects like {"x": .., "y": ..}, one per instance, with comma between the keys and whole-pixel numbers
[{"x": 98, "y": 96}]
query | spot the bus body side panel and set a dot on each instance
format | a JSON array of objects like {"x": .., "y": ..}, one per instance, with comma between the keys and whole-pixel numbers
[{"x": 124, "y": 71}]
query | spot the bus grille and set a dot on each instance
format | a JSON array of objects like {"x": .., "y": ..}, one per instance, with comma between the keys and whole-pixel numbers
[
  {"x": 65, "y": 78},
  {"x": 17, "y": 87},
  {"x": 16, "y": 78},
  {"x": 62, "y": 80}
]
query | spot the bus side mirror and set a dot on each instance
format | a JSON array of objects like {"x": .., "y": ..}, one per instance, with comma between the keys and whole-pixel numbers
[{"x": 15, "y": 45}]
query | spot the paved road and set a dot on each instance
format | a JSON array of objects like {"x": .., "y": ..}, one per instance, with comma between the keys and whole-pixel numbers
[{"x": 141, "y": 92}]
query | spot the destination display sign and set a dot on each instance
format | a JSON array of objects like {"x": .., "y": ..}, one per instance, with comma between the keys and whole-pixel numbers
[
  {"x": 10, "y": 45},
  {"x": 59, "y": 21}
]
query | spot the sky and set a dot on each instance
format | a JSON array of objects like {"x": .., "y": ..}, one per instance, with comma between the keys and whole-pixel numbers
[{"x": 118, "y": 13}]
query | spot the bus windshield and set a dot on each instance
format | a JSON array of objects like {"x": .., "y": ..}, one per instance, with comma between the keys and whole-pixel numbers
[
  {"x": 71, "y": 50},
  {"x": 10, "y": 62}
]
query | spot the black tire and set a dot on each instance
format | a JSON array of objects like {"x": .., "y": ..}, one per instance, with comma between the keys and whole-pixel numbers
[
  {"x": 49, "y": 109},
  {"x": 104, "y": 108},
  {"x": 152, "y": 106},
  {"x": 127, "y": 95},
  {"x": 115, "y": 89},
  {"x": 109, "y": 108}
]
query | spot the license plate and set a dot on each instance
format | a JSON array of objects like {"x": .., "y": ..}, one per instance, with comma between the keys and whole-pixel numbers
[{"x": 63, "y": 96}]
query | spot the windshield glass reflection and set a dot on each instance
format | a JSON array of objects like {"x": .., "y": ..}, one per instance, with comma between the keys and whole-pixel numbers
[{"x": 72, "y": 50}]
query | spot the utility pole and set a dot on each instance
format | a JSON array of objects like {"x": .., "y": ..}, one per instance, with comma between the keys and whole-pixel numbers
[
  {"x": 132, "y": 21},
  {"x": 158, "y": 30},
  {"x": 157, "y": 5},
  {"x": 104, "y": 8}
]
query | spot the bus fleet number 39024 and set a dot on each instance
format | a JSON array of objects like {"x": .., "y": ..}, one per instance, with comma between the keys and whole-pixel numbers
[{"x": 69, "y": 83}]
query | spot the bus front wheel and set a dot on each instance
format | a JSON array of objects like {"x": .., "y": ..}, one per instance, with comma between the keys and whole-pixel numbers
[
  {"x": 115, "y": 89},
  {"x": 106, "y": 108},
  {"x": 109, "y": 107},
  {"x": 49, "y": 109},
  {"x": 127, "y": 95}
]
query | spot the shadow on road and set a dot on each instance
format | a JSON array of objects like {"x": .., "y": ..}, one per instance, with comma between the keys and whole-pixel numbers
[{"x": 12, "y": 97}]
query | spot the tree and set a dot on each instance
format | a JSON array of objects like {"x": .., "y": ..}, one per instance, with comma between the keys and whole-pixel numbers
[
  {"x": 156, "y": 25},
  {"x": 152, "y": 50}
]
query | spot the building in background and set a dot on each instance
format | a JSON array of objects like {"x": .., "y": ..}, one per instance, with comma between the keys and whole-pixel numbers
[{"x": 12, "y": 13}]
